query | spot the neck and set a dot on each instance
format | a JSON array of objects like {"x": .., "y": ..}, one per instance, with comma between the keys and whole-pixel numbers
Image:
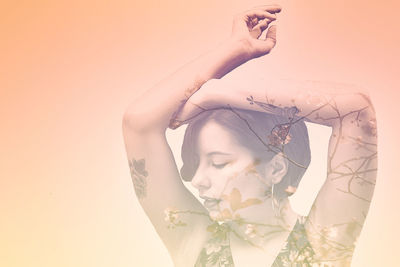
[
  {"x": 266, "y": 222},
  {"x": 262, "y": 235}
]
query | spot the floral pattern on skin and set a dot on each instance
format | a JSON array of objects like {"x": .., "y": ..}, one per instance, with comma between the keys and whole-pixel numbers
[
  {"x": 251, "y": 230},
  {"x": 359, "y": 173},
  {"x": 329, "y": 248},
  {"x": 139, "y": 174},
  {"x": 334, "y": 241},
  {"x": 297, "y": 250},
  {"x": 174, "y": 122},
  {"x": 172, "y": 218},
  {"x": 216, "y": 251},
  {"x": 279, "y": 136},
  {"x": 236, "y": 203},
  {"x": 287, "y": 112}
]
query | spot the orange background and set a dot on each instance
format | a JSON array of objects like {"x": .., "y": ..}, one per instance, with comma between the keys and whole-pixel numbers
[{"x": 69, "y": 69}]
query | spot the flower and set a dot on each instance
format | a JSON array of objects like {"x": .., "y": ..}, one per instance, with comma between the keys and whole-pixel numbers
[
  {"x": 280, "y": 135},
  {"x": 251, "y": 230},
  {"x": 170, "y": 215},
  {"x": 330, "y": 232},
  {"x": 370, "y": 127},
  {"x": 212, "y": 248},
  {"x": 293, "y": 254},
  {"x": 225, "y": 263}
]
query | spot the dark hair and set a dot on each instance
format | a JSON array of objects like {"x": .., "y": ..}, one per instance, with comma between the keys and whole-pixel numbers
[{"x": 262, "y": 133}]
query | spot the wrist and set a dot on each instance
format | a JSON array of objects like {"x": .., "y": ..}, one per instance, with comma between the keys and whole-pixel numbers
[
  {"x": 237, "y": 50},
  {"x": 234, "y": 52}
]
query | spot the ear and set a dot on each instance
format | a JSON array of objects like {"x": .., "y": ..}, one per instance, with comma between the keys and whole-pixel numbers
[{"x": 277, "y": 168}]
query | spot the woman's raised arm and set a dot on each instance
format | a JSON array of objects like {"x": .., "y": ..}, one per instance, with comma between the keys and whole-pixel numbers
[
  {"x": 154, "y": 173},
  {"x": 154, "y": 109}
]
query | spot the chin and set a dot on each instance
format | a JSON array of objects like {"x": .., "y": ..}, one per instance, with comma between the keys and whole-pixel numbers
[
  {"x": 219, "y": 216},
  {"x": 215, "y": 215}
]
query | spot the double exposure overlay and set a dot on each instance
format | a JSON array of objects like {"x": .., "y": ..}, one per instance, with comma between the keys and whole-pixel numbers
[{"x": 245, "y": 151}]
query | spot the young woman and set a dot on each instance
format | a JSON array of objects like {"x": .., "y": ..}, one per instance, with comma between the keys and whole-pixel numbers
[{"x": 245, "y": 150}]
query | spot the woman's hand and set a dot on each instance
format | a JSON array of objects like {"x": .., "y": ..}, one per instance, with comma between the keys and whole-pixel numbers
[{"x": 249, "y": 26}]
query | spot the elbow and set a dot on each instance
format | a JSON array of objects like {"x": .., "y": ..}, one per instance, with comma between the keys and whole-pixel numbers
[
  {"x": 361, "y": 117},
  {"x": 363, "y": 107},
  {"x": 139, "y": 121},
  {"x": 132, "y": 120},
  {"x": 128, "y": 121},
  {"x": 365, "y": 96},
  {"x": 357, "y": 98}
]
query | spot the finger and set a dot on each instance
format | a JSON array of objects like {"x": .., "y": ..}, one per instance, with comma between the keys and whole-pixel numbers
[
  {"x": 271, "y": 34},
  {"x": 259, "y": 14},
  {"x": 270, "y": 8},
  {"x": 256, "y": 23},
  {"x": 253, "y": 17},
  {"x": 262, "y": 25},
  {"x": 259, "y": 28},
  {"x": 265, "y": 46},
  {"x": 252, "y": 23}
]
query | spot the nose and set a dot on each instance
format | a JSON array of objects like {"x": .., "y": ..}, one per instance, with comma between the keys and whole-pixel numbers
[{"x": 201, "y": 181}]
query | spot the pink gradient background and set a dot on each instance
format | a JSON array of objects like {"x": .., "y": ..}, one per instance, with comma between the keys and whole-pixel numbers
[{"x": 69, "y": 69}]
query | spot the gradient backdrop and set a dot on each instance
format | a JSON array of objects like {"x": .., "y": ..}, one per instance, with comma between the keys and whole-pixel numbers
[{"x": 68, "y": 69}]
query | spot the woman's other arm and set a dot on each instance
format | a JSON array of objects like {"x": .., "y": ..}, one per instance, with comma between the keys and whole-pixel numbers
[{"x": 340, "y": 209}]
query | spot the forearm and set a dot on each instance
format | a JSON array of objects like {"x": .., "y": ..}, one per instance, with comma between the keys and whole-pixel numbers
[
  {"x": 156, "y": 107},
  {"x": 318, "y": 102}
]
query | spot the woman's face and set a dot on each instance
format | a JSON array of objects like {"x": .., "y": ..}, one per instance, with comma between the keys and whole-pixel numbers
[{"x": 226, "y": 178}]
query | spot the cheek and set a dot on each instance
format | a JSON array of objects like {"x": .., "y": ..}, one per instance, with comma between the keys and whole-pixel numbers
[
  {"x": 219, "y": 179},
  {"x": 248, "y": 185},
  {"x": 235, "y": 170},
  {"x": 234, "y": 175}
]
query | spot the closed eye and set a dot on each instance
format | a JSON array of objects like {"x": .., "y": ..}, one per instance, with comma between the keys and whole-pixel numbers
[{"x": 219, "y": 166}]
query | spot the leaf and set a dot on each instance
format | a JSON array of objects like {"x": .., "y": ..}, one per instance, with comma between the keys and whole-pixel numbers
[
  {"x": 267, "y": 107},
  {"x": 250, "y": 99},
  {"x": 226, "y": 214},
  {"x": 235, "y": 200},
  {"x": 250, "y": 202},
  {"x": 212, "y": 228}
]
